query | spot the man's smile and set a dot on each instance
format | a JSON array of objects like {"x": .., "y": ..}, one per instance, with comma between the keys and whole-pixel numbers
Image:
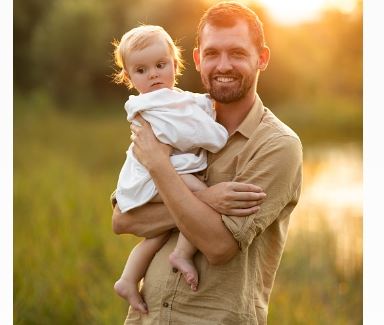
[{"x": 224, "y": 79}]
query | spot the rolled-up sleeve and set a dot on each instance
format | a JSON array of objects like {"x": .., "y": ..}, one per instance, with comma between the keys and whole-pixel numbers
[{"x": 277, "y": 170}]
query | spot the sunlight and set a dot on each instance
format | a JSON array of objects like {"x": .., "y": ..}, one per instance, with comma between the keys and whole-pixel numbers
[{"x": 290, "y": 12}]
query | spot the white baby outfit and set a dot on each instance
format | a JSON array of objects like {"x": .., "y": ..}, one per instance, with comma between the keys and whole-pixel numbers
[{"x": 182, "y": 119}]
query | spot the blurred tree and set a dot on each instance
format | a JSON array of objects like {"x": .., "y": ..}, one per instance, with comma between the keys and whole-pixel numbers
[
  {"x": 69, "y": 48},
  {"x": 26, "y": 16},
  {"x": 315, "y": 59},
  {"x": 344, "y": 34},
  {"x": 64, "y": 48}
]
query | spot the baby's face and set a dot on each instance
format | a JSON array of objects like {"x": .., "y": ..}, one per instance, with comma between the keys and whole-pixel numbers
[{"x": 152, "y": 68}]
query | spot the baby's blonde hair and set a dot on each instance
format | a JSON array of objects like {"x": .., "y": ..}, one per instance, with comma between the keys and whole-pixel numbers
[{"x": 139, "y": 38}]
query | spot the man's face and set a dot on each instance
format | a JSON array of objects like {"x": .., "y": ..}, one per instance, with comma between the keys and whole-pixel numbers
[{"x": 228, "y": 61}]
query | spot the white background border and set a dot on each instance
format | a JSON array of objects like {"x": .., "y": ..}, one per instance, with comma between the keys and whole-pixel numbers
[{"x": 6, "y": 163}]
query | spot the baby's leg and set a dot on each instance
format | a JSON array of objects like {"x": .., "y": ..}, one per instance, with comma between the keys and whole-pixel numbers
[
  {"x": 182, "y": 256},
  {"x": 182, "y": 259},
  {"x": 134, "y": 270}
]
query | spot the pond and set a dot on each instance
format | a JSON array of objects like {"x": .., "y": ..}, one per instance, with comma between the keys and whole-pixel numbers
[{"x": 332, "y": 200}]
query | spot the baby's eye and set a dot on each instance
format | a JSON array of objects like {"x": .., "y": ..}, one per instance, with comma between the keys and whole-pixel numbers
[
  {"x": 140, "y": 70},
  {"x": 160, "y": 65}
]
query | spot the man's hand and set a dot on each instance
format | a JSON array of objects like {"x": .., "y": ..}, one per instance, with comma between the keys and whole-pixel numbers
[
  {"x": 146, "y": 145},
  {"x": 233, "y": 198}
]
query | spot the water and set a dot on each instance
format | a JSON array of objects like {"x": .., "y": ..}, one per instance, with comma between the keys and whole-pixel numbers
[{"x": 332, "y": 198}]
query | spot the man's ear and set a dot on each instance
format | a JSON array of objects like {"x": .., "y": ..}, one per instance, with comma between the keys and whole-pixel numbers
[
  {"x": 196, "y": 58},
  {"x": 264, "y": 58}
]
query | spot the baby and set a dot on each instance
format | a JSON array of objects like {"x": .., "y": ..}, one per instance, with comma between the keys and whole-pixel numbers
[{"x": 149, "y": 61}]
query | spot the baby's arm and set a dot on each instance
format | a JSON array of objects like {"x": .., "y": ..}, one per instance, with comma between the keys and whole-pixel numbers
[{"x": 193, "y": 183}]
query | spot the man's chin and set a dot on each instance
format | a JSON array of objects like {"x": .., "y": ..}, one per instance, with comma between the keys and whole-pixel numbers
[{"x": 226, "y": 94}]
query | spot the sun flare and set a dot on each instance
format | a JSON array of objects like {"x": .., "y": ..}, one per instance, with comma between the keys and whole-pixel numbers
[{"x": 295, "y": 11}]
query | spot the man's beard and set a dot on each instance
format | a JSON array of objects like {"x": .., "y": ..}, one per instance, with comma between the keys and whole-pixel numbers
[{"x": 232, "y": 92}]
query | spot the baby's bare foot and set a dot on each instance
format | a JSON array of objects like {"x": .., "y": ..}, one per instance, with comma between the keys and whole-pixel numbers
[
  {"x": 186, "y": 267},
  {"x": 129, "y": 292}
]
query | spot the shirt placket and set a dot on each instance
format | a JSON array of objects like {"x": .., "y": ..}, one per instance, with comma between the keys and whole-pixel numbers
[{"x": 169, "y": 296}]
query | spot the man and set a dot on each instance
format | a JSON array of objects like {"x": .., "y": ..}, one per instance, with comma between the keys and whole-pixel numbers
[{"x": 238, "y": 256}]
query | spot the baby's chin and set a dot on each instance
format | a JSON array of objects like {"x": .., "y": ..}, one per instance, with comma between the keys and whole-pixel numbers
[{"x": 156, "y": 86}]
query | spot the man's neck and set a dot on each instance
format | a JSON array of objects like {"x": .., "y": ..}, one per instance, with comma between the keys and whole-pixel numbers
[{"x": 231, "y": 115}]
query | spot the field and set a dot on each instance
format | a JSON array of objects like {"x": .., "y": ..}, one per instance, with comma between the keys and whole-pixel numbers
[{"x": 66, "y": 257}]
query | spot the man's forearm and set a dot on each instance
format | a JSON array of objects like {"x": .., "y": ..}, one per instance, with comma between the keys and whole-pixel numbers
[
  {"x": 147, "y": 221},
  {"x": 196, "y": 220}
]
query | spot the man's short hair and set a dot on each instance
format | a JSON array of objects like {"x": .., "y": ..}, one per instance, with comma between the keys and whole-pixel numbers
[{"x": 227, "y": 14}]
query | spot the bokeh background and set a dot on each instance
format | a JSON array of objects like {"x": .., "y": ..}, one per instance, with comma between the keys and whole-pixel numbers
[{"x": 71, "y": 134}]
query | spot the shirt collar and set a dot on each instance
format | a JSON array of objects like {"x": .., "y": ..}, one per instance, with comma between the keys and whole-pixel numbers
[{"x": 253, "y": 118}]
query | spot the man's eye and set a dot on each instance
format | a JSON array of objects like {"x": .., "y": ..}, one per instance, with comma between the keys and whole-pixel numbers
[
  {"x": 209, "y": 54},
  {"x": 238, "y": 54}
]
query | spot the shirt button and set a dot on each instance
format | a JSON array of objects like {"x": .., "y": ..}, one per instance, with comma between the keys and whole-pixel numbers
[{"x": 165, "y": 304}]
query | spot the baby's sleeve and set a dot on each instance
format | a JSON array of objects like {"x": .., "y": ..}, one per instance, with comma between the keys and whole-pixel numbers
[{"x": 205, "y": 102}]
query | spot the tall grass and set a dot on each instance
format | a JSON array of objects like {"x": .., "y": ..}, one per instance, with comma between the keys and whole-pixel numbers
[
  {"x": 315, "y": 284},
  {"x": 66, "y": 257}
]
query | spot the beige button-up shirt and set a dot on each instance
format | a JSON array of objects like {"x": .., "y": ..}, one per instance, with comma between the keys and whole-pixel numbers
[{"x": 262, "y": 151}]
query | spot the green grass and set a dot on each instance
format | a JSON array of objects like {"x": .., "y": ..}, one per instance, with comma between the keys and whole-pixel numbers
[
  {"x": 310, "y": 288},
  {"x": 66, "y": 258}
]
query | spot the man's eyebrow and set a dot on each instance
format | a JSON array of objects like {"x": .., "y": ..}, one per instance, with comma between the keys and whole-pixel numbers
[
  {"x": 210, "y": 49},
  {"x": 239, "y": 48},
  {"x": 232, "y": 49}
]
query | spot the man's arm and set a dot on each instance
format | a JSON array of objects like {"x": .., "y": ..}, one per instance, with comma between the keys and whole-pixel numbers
[
  {"x": 147, "y": 221},
  {"x": 201, "y": 224},
  {"x": 152, "y": 219}
]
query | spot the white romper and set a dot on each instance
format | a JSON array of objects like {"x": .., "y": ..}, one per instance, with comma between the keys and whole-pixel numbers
[{"x": 182, "y": 119}]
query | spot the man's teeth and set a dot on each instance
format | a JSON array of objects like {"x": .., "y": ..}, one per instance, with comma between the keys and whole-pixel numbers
[{"x": 224, "y": 79}]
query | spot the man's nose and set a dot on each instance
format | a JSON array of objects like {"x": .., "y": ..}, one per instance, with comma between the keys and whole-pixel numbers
[{"x": 224, "y": 63}]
